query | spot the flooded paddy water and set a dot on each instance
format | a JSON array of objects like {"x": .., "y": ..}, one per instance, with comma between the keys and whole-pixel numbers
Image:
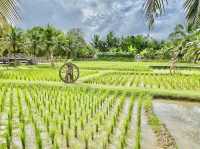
[{"x": 182, "y": 119}]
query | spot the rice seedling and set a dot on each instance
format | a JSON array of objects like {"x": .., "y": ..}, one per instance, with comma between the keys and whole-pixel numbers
[
  {"x": 148, "y": 80},
  {"x": 23, "y": 136},
  {"x": 138, "y": 131},
  {"x": 38, "y": 74},
  {"x": 82, "y": 115}
]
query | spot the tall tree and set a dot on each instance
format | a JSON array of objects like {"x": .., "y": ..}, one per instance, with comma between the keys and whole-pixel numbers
[
  {"x": 15, "y": 40},
  {"x": 127, "y": 42},
  {"x": 4, "y": 31},
  {"x": 179, "y": 32},
  {"x": 99, "y": 44},
  {"x": 34, "y": 39},
  {"x": 75, "y": 42},
  {"x": 111, "y": 40},
  {"x": 96, "y": 41},
  {"x": 140, "y": 42},
  {"x": 61, "y": 43},
  {"x": 49, "y": 40}
]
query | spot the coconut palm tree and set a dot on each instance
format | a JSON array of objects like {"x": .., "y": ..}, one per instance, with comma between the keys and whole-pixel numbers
[
  {"x": 49, "y": 37},
  {"x": 9, "y": 11},
  {"x": 179, "y": 33},
  {"x": 61, "y": 43},
  {"x": 15, "y": 39},
  {"x": 34, "y": 39},
  {"x": 154, "y": 8}
]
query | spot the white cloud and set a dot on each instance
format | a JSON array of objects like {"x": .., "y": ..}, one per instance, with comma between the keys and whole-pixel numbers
[{"x": 99, "y": 16}]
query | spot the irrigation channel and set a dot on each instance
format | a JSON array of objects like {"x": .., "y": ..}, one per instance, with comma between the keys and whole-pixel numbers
[{"x": 182, "y": 119}]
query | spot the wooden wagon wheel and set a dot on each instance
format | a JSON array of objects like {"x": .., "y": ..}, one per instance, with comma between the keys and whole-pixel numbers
[{"x": 69, "y": 73}]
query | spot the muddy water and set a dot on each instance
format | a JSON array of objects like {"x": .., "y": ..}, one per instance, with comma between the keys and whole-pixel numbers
[
  {"x": 133, "y": 126},
  {"x": 148, "y": 137},
  {"x": 182, "y": 119}
]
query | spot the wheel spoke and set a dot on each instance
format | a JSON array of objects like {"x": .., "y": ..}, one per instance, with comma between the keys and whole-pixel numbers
[{"x": 69, "y": 73}]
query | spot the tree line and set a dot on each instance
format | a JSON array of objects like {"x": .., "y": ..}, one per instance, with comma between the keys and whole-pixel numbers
[
  {"x": 113, "y": 43},
  {"x": 50, "y": 42},
  {"x": 182, "y": 43},
  {"x": 44, "y": 41}
]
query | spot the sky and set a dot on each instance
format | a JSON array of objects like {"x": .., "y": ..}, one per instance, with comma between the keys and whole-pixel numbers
[{"x": 123, "y": 17}]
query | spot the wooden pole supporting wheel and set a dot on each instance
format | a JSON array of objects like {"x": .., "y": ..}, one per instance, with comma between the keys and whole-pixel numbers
[{"x": 69, "y": 73}]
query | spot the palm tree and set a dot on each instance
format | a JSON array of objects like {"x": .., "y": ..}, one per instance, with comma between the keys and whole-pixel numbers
[
  {"x": 9, "y": 11},
  {"x": 75, "y": 42},
  {"x": 192, "y": 47},
  {"x": 15, "y": 39},
  {"x": 179, "y": 33},
  {"x": 50, "y": 34},
  {"x": 154, "y": 8},
  {"x": 61, "y": 43},
  {"x": 95, "y": 41},
  {"x": 34, "y": 40}
]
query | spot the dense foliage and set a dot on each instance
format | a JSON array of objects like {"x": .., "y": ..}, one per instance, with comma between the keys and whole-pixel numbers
[
  {"x": 45, "y": 41},
  {"x": 125, "y": 46},
  {"x": 183, "y": 44},
  {"x": 51, "y": 42}
]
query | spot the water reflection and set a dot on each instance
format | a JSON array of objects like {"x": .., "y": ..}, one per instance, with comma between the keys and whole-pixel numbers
[{"x": 182, "y": 120}]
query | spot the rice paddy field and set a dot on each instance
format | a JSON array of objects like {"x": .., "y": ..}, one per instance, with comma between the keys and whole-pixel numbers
[
  {"x": 113, "y": 105},
  {"x": 149, "y": 80}
]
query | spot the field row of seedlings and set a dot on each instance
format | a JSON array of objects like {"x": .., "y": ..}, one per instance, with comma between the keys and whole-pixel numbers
[
  {"x": 37, "y": 117},
  {"x": 108, "y": 65},
  {"x": 57, "y": 118},
  {"x": 37, "y": 74},
  {"x": 149, "y": 80}
]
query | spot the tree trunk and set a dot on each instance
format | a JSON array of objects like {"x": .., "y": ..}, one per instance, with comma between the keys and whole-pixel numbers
[
  {"x": 34, "y": 56},
  {"x": 52, "y": 59},
  {"x": 196, "y": 59},
  {"x": 14, "y": 50},
  {"x": 69, "y": 54}
]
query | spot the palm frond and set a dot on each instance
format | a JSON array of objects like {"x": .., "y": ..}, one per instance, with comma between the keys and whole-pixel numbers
[
  {"x": 3, "y": 21},
  {"x": 154, "y": 8},
  {"x": 192, "y": 10},
  {"x": 9, "y": 9}
]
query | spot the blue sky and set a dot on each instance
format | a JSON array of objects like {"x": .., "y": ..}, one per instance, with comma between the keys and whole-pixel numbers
[{"x": 124, "y": 17}]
